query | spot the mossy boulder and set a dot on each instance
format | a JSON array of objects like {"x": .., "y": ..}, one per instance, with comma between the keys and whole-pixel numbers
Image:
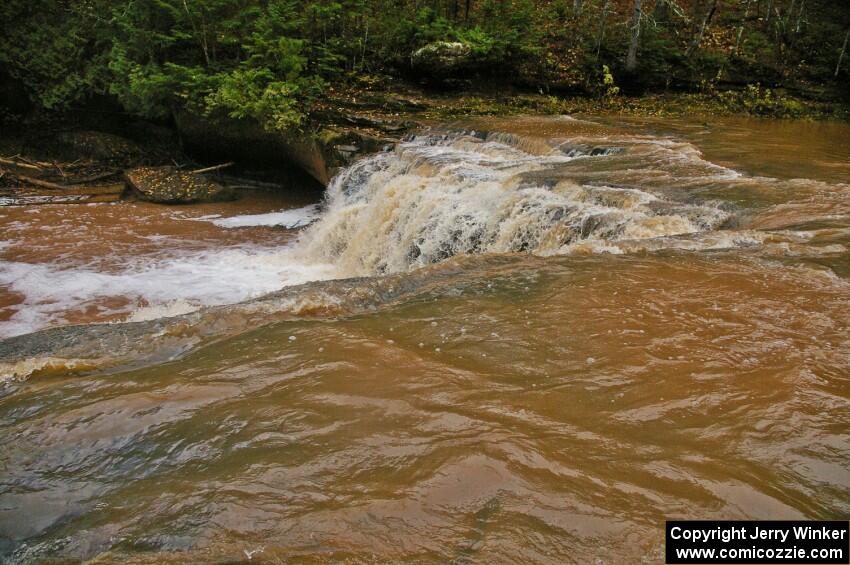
[
  {"x": 168, "y": 185},
  {"x": 442, "y": 58}
]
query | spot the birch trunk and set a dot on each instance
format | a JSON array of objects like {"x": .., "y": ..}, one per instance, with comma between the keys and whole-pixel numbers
[
  {"x": 631, "y": 58},
  {"x": 843, "y": 50},
  {"x": 741, "y": 28},
  {"x": 706, "y": 20},
  {"x": 601, "y": 33},
  {"x": 800, "y": 16}
]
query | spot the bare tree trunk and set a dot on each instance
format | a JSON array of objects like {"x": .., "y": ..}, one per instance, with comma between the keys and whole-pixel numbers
[
  {"x": 466, "y": 14},
  {"x": 784, "y": 32},
  {"x": 661, "y": 12},
  {"x": 631, "y": 58},
  {"x": 706, "y": 20},
  {"x": 601, "y": 33},
  {"x": 769, "y": 11},
  {"x": 843, "y": 50},
  {"x": 577, "y": 6},
  {"x": 789, "y": 14},
  {"x": 365, "y": 42},
  {"x": 741, "y": 28},
  {"x": 202, "y": 40},
  {"x": 800, "y": 16}
]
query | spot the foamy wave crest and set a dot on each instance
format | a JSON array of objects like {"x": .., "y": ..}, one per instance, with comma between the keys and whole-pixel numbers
[
  {"x": 440, "y": 196},
  {"x": 290, "y": 219},
  {"x": 164, "y": 287}
]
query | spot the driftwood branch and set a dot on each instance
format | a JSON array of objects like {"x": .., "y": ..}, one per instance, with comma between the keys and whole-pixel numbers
[
  {"x": 15, "y": 163},
  {"x": 42, "y": 183},
  {"x": 39, "y": 164},
  {"x": 56, "y": 186},
  {"x": 71, "y": 190},
  {"x": 69, "y": 199},
  {"x": 211, "y": 169}
]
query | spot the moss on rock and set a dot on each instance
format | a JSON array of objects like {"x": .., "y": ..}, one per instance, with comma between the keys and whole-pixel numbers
[{"x": 167, "y": 185}]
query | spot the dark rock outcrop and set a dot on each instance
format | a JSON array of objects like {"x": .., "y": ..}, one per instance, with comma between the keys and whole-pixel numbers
[
  {"x": 100, "y": 146},
  {"x": 335, "y": 140}
]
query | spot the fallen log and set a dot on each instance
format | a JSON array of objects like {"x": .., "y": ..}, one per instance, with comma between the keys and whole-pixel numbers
[
  {"x": 15, "y": 163},
  {"x": 211, "y": 169},
  {"x": 58, "y": 199},
  {"x": 42, "y": 183},
  {"x": 113, "y": 189}
]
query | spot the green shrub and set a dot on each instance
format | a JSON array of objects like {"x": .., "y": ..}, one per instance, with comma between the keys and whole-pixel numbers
[{"x": 761, "y": 102}]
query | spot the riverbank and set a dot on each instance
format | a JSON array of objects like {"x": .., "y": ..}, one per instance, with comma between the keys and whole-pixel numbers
[
  {"x": 346, "y": 125},
  {"x": 751, "y": 100}
]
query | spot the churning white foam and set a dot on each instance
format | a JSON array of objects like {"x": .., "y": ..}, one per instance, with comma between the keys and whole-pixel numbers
[
  {"x": 160, "y": 287},
  {"x": 439, "y": 196},
  {"x": 289, "y": 219},
  {"x": 433, "y": 197}
]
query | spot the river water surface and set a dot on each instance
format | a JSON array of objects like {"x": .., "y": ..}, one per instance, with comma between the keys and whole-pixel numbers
[{"x": 507, "y": 340}]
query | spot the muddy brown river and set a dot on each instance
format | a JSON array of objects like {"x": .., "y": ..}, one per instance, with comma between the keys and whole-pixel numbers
[{"x": 526, "y": 340}]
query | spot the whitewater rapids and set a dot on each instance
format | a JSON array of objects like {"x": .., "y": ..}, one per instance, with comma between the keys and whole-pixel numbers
[{"x": 437, "y": 196}]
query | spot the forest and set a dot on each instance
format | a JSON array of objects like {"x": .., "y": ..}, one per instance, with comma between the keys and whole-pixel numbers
[{"x": 272, "y": 60}]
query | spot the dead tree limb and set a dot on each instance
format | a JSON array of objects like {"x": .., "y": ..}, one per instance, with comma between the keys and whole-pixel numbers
[
  {"x": 15, "y": 163},
  {"x": 42, "y": 183},
  {"x": 698, "y": 39},
  {"x": 631, "y": 57},
  {"x": 843, "y": 50},
  {"x": 211, "y": 169},
  {"x": 601, "y": 33},
  {"x": 741, "y": 27}
]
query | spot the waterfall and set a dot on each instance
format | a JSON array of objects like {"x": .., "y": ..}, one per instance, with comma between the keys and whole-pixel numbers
[{"x": 437, "y": 196}]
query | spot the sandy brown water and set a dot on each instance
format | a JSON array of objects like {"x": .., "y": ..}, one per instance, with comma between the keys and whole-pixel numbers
[
  {"x": 498, "y": 406},
  {"x": 59, "y": 254}
]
